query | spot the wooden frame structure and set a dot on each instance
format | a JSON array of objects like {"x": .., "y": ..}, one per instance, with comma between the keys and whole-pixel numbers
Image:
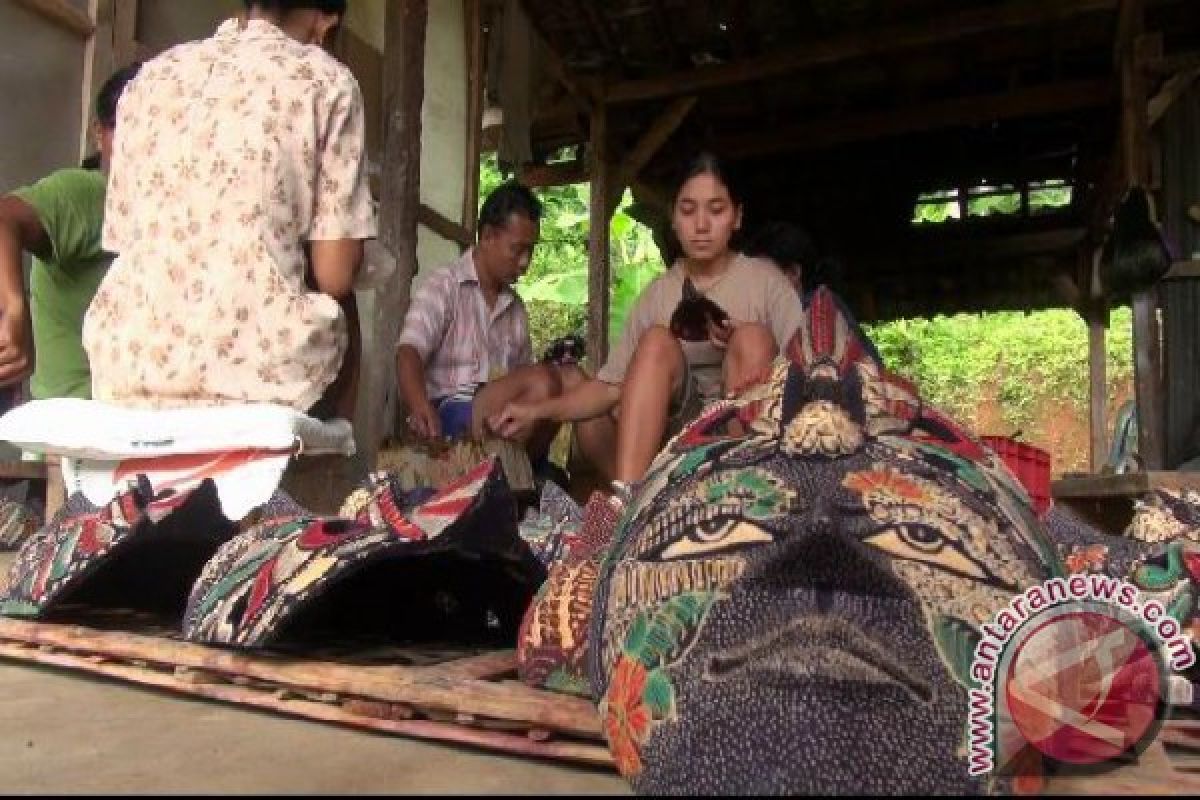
[
  {"x": 1107, "y": 71},
  {"x": 471, "y": 700}
]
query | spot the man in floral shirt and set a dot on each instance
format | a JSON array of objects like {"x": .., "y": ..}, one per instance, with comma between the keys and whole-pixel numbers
[{"x": 237, "y": 207}]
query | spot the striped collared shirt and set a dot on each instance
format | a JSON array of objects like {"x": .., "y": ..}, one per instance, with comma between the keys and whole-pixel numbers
[{"x": 462, "y": 343}]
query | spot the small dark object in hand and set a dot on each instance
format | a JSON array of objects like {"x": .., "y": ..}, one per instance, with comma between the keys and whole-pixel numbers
[
  {"x": 692, "y": 316},
  {"x": 566, "y": 350}
]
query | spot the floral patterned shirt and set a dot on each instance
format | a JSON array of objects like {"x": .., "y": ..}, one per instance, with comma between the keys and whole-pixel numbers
[{"x": 231, "y": 154}]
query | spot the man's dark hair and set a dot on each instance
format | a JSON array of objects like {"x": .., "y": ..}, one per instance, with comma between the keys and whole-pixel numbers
[
  {"x": 328, "y": 6},
  {"x": 106, "y": 104},
  {"x": 786, "y": 244},
  {"x": 508, "y": 199},
  {"x": 110, "y": 94}
]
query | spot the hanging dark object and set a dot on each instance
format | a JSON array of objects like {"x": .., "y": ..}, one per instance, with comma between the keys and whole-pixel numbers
[{"x": 1137, "y": 255}]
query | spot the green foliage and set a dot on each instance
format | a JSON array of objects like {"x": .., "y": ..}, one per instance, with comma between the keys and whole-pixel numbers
[
  {"x": 555, "y": 288},
  {"x": 1024, "y": 357},
  {"x": 983, "y": 201}
]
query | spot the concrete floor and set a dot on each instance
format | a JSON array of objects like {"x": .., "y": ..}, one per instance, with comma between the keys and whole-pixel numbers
[{"x": 68, "y": 733}]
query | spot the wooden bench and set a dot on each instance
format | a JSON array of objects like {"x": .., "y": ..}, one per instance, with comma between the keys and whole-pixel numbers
[{"x": 1107, "y": 501}]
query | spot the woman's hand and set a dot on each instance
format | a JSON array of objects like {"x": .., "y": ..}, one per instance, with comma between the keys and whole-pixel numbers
[
  {"x": 719, "y": 333},
  {"x": 514, "y": 422}
]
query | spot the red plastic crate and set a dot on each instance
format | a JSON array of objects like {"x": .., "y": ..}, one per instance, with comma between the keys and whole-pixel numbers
[{"x": 1028, "y": 464}]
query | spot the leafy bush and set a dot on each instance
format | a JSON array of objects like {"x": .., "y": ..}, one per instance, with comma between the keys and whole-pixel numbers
[{"x": 1027, "y": 357}]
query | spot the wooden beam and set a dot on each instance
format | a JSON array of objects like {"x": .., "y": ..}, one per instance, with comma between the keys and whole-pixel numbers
[
  {"x": 1041, "y": 100},
  {"x": 600, "y": 29},
  {"x": 97, "y": 61},
  {"x": 1172, "y": 90},
  {"x": 936, "y": 249},
  {"x": 1182, "y": 270},
  {"x": 665, "y": 28},
  {"x": 63, "y": 14},
  {"x": 563, "y": 173},
  {"x": 444, "y": 227},
  {"x": 651, "y": 142},
  {"x": 475, "y": 80},
  {"x": 599, "y": 273},
  {"x": 125, "y": 45},
  {"x": 579, "y": 91},
  {"x": 400, "y": 204},
  {"x": 953, "y": 27}
]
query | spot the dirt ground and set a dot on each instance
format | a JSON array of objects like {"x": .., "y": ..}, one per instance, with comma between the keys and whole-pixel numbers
[{"x": 70, "y": 734}]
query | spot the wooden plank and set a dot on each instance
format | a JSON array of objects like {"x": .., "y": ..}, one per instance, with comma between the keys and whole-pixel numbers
[
  {"x": 63, "y": 14},
  {"x": 1175, "y": 87},
  {"x": 475, "y": 81},
  {"x": 651, "y": 142},
  {"x": 599, "y": 272},
  {"x": 1182, "y": 270},
  {"x": 416, "y": 686},
  {"x": 23, "y": 470},
  {"x": 399, "y": 207},
  {"x": 519, "y": 744},
  {"x": 1127, "y": 485},
  {"x": 486, "y": 665},
  {"x": 1040, "y": 100},
  {"x": 446, "y": 228},
  {"x": 838, "y": 49},
  {"x": 563, "y": 173}
]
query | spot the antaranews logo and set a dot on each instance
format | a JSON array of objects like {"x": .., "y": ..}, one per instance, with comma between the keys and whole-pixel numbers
[{"x": 1076, "y": 667}]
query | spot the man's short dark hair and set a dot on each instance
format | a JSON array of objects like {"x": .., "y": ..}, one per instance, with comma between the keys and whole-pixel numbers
[
  {"x": 328, "y": 6},
  {"x": 508, "y": 199},
  {"x": 110, "y": 94},
  {"x": 786, "y": 244}
]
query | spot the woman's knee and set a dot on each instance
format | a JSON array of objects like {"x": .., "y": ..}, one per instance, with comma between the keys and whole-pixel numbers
[
  {"x": 659, "y": 349},
  {"x": 753, "y": 344}
]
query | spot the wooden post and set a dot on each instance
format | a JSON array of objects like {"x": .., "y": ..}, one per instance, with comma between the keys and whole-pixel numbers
[
  {"x": 474, "y": 113},
  {"x": 599, "y": 272},
  {"x": 124, "y": 32},
  {"x": 1134, "y": 147},
  {"x": 400, "y": 203},
  {"x": 1097, "y": 322}
]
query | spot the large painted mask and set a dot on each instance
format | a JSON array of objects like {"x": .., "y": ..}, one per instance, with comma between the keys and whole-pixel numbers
[{"x": 791, "y": 602}]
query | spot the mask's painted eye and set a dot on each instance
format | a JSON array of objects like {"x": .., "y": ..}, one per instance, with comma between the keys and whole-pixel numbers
[
  {"x": 714, "y": 536},
  {"x": 926, "y": 544}
]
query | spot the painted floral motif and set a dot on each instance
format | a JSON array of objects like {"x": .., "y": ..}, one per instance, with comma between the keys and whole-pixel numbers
[{"x": 627, "y": 718}]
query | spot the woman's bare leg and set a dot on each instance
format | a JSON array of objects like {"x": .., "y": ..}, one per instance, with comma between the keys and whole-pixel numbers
[{"x": 655, "y": 374}]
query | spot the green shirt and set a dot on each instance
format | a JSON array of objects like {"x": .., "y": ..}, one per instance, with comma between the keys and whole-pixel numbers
[{"x": 70, "y": 205}]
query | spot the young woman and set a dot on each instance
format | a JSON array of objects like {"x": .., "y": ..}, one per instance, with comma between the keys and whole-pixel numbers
[{"x": 655, "y": 380}]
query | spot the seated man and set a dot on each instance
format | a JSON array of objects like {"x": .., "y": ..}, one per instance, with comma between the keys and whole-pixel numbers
[
  {"x": 59, "y": 221},
  {"x": 238, "y": 209},
  {"x": 465, "y": 351}
]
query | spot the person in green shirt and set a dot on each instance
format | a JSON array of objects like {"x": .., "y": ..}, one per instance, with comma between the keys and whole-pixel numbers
[{"x": 59, "y": 221}]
